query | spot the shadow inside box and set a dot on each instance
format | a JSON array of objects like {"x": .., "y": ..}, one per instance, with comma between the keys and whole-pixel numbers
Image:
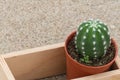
[
  {"x": 57, "y": 77},
  {"x": 114, "y": 67}
]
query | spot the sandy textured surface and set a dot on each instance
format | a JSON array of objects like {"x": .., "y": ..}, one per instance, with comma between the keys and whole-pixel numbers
[{"x": 32, "y": 23}]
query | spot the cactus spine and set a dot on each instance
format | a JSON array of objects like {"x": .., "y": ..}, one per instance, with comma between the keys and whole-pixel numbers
[{"x": 92, "y": 39}]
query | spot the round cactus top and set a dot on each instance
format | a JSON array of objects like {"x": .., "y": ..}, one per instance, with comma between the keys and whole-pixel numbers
[
  {"x": 94, "y": 24},
  {"x": 92, "y": 39}
]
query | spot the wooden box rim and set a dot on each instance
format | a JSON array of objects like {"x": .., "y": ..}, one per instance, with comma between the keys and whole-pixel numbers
[{"x": 43, "y": 62}]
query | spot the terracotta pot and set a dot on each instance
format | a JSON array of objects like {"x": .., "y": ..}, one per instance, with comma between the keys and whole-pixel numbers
[{"x": 75, "y": 69}]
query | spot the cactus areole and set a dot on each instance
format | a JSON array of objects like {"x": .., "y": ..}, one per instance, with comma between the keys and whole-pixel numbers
[{"x": 92, "y": 39}]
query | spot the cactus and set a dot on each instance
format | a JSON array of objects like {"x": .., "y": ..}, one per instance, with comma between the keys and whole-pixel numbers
[{"x": 92, "y": 39}]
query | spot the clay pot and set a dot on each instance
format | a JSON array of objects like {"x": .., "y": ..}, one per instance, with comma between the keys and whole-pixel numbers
[{"x": 75, "y": 69}]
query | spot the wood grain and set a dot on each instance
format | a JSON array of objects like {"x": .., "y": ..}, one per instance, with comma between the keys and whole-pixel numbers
[
  {"x": 111, "y": 75},
  {"x": 5, "y": 73},
  {"x": 37, "y": 62}
]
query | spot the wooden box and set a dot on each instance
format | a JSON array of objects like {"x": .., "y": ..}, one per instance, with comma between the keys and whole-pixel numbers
[{"x": 43, "y": 62}]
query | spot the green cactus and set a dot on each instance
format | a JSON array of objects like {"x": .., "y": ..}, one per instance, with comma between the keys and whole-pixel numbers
[{"x": 92, "y": 39}]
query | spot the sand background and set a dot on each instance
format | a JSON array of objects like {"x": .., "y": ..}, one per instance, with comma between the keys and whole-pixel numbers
[{"x": 33, "y": 23}]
